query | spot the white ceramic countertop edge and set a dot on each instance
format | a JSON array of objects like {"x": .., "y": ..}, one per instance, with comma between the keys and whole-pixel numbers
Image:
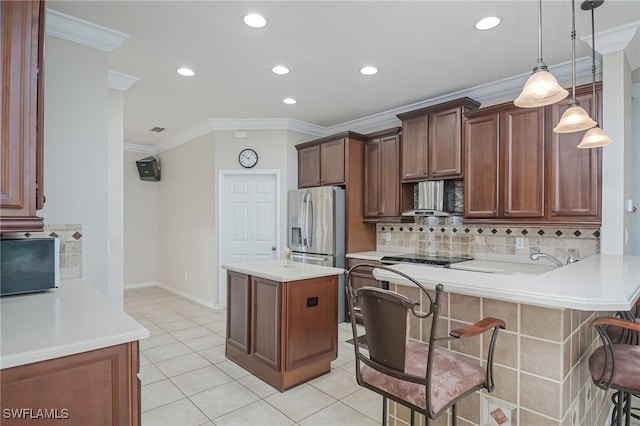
[
  {"x": 599, "y": 283},
  {"x": 72, "y": 319},
  {"x": 276, "y": 271},
  {"x": 372, "y": 255}
]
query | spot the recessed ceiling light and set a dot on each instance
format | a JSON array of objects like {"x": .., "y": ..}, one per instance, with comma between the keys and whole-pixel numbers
[
  {"x": 368, "y": 70},
  {"x": 254, "y": 20},
  {"x": 280, "y": 69},
  {"x": 487, "y": 23},
  {"x": 289, "y": 101},
  {"x": 187, "y": 72}
]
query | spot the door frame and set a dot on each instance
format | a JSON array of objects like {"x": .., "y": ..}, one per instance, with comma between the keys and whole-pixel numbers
[{"x": 222, "y": 177}]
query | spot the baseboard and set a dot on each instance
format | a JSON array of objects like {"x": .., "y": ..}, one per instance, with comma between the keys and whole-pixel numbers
[
  {"x": 191, "y": 297},
  {"x": 140, "y": 285}
]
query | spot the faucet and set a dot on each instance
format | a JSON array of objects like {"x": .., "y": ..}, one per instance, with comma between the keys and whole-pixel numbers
[{"x": 536, "y": 255}]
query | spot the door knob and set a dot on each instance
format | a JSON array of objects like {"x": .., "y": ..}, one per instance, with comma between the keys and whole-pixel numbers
[{"x": 273, "y": 248}]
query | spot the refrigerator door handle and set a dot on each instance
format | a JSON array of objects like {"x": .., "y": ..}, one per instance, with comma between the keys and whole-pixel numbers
[
  {"x": 303, "y": 223},
  {"x": 309, "y": 221}
]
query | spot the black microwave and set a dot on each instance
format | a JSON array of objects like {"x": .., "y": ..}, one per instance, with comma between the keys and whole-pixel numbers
[{"x": 28, "y": 265}]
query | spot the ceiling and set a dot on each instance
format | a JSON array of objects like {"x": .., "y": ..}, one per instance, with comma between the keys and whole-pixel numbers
[{"x": 423, "y": 49}]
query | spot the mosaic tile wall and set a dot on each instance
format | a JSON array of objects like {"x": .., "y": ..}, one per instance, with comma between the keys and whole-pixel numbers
[
  {"x": 451, "y": 237},
  {"x": 70, "y": 237},
  {"x": 540, "y": 365}
]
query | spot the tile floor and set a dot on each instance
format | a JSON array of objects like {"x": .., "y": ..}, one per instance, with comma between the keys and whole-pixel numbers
[{"x": 186, "y": 379}]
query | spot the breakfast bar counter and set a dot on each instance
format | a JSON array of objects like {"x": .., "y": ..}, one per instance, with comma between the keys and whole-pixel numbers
[
  {"x": 541, "y": 359},
  {"x": 282, "y": 321}
]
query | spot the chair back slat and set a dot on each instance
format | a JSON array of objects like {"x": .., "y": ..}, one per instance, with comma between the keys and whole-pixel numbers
[{"x": 385, "y": 317}]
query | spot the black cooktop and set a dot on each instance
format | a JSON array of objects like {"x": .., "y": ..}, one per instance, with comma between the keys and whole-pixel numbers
[{"x": 441, "y": 261}]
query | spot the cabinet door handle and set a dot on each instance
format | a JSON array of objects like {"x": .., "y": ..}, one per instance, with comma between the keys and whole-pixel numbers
[{"x": 553, "y": 210}]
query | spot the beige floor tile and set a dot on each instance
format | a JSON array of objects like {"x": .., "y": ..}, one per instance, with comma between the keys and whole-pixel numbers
[
  {"x": 346, "y": 355},
  {"x": 203, "y": 342},
  {"x": 182, "y": 364},
  {"x": 190, "y": 333},
  {"x": 144, "y": 360},
  {"x": 207, "y": 318},
  {"x": 338, "y": 414},
  {"x": 178, "y": 413},
  {"x": 217, "y": 326},
  {"x": 300, "y": 402},
  {"x": 214, "y": 355},
  {"x": 156, "y": 341},
  {"x": 338, "y": 384},
  {"x": 159, "y": 394},
  {"x": 223, "y": 399},
  {"x": 232, "y": 369},
  {"x": 258, "y": 413},
  {"x": 166, "y": 352},
  {"x": 151, "y": 326},
  {"x": 166, "y": 317},
  {"x": 366, "y": 402},
  {"x": 150, "y": 374},
  {"x": 257, "y": 386},
  {"x": 178, "y": 325},
  {"x": 200, "y": 380}
]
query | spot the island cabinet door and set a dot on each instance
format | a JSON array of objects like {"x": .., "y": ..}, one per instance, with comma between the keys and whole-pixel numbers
[
  {"x": 265, "y": 321},
  {"x": 311, "y": 331},
  {"x": 238, "y": 310}
]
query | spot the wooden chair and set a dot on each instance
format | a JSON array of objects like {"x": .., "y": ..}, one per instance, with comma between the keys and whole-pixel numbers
[
  {"x": 616, "y": 364},
  {"x": 425, "y": 377}
]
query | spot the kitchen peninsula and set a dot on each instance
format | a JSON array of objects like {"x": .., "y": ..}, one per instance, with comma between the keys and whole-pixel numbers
[
  {"x": 282, "y": 322},
  {"x": 71, "y": 351},
  {"x": 541, "y": 361}
]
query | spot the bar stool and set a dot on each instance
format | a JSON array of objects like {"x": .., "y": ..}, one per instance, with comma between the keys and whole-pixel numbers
[
  {"x": 617, "y": 365},
  {"x": 425, "y": 377}
]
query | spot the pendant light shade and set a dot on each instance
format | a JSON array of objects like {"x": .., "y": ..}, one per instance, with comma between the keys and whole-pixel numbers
[
  {"x": 574, "y": 119},
  {"x": 596, "y": 137},
  {"x": 541, "y": 88}
]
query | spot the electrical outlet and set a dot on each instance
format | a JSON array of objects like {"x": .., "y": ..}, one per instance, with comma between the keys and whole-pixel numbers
[
  {"x": 387, "y": 236},
  {"x": 519, "y": 243}
]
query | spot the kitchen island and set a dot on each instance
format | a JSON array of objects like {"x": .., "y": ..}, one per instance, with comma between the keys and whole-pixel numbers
[
  {"x": 541, "y": 361},
  {"x": 70, "y": 352},
  {"x": 282, "y": 322}
]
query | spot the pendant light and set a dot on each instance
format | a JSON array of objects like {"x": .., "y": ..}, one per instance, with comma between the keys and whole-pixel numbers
[
  {"x": 575, "y": 118},
  {"x": 595, "y": 137},
  {"x": 541, "y": 88}
]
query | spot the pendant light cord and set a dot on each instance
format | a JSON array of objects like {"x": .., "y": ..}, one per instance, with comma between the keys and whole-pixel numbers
[
  {"x": 573, "y": 48},
  {"x": 594, "y": 110},
  {"x": 539, "y": 31}
]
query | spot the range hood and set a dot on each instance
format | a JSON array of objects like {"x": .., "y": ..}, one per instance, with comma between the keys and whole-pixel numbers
[{"x": 430, "y": 200}]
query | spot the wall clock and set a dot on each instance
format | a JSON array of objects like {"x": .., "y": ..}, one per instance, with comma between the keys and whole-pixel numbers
[{"x": 248, "y": 158}]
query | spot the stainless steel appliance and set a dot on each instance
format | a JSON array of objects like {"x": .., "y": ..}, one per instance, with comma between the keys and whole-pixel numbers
[
  {"x": 316, "y": 230},
  {"x": 439, "y": 261},
  {"x": 430, "y": 202}
]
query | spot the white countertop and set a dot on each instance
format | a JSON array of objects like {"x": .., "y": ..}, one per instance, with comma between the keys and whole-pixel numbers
[
  {"x": 276, "y": 271},
  {"x": 68, "y": 320},
  {"x": 598, "y": 283}
]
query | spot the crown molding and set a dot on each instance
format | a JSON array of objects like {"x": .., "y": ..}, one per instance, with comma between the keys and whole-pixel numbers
[
  {"x": 120, "y": 81},
  {"x": 625, "y": 38},
  {"x": 142, "y": 149},
  {"x": 267, "y": 124},
  {"x": 200, "y": 129},
  {"x": 83, "y": 32}
]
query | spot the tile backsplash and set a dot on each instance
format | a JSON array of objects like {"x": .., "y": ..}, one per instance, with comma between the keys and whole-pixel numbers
[
  {"x": 70, "y": 237},
  {"x": 451, "y": 237}
]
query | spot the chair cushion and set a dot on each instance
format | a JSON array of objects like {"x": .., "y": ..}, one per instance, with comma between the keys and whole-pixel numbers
[
  {"x": 453, "y": 375},
  {"x": 627, "y": 366}
]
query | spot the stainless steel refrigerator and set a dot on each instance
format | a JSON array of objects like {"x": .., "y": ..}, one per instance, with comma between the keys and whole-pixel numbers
[{"x": 316, "y": 230}]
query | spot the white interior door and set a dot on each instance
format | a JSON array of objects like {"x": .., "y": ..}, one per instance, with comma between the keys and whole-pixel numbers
[{"x": 249, "y": 220}]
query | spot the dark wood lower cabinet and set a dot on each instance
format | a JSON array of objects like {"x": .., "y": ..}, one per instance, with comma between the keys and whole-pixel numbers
[
  {"x": 291, "y": 327},
  {"x": 99, "y": 387}
]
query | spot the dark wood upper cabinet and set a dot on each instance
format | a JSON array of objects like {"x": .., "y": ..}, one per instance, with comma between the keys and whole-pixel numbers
[
  {"x": 575, "y": 175},
  {"x": 332, "y": 162},
  {"x": 519, "y": 170},
  {"x": 432, "y": 141},
  {"x": 21, "y": 186},
  {"x": 309, "y": 166},
  {"x": 382, "y": 176}
]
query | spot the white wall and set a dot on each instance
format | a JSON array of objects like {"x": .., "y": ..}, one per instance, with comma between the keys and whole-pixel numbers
[
  {"x": 140, "y": 225},
  {"x": 634, "y": 222},
  {"x": 76, "y": 155},
  {"x": 187, "y": 243},
  {"x": 115, "y": 197}
]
